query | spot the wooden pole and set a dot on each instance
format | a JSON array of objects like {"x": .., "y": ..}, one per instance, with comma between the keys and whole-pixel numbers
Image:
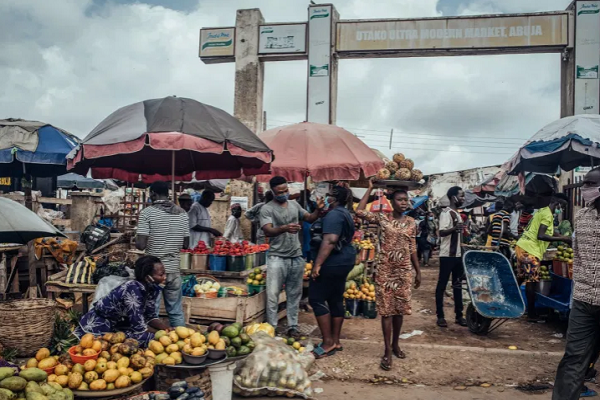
[{"x": 173, "y": 177}]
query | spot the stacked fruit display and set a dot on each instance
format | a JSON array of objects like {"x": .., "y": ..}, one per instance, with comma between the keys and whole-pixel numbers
[
  {"x": 366, "y": 292},
  {"x": 103, "y": 363},
  {"x": 257, "y": 278},
  {"x": 167, "y": 346},
  {"x": 401, "y": 168},
  {"x": 564, "y": 254},
  {"x": 30, "y": 384},
  {"x": 238, "y": 343},
  {"x": 307, "y": 270},
  {"x": 206, "y": 287},
  {"x": 544, "y": 273}
]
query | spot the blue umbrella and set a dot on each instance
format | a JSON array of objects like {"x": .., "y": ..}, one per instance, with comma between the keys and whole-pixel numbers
[
  {"x": 71, "y": 180},
  {"x": 33, "y": 148}
]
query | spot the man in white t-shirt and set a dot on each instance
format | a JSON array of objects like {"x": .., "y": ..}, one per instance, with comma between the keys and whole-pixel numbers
[
  {"x": 200, "y": 223},
  {"x": 451, "y": 229}
]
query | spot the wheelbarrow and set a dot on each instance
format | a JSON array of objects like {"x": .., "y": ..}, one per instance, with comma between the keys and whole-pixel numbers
[{"x": 494, "y": 291}]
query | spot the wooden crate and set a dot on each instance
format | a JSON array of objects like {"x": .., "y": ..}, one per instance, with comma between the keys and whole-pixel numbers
[{"x": 228, "y": 309}]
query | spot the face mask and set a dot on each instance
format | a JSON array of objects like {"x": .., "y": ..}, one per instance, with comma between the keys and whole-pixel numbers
[
  {"x": 590, "y": 194},
  {"x": 558, "y": 211},
  {"x": 282, "y": 198},
  {"x": 430, "y": 218},
  {"x": 457, "y": 201}
]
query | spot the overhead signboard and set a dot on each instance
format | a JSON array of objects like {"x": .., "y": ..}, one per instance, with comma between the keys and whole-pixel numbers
[
  {"x": 277, "y": 39},
  {"x": 587, "y": 57},
  {"x": 453, "y": 33},
  {"x": 217, "y": 42}
]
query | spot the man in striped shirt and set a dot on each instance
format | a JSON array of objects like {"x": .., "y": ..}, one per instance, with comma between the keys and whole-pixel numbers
[
  {"x": 163, "y": 230},
  {"x": 451, "y": 230}
]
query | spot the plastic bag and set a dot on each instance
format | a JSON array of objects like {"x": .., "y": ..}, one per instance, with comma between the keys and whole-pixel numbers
[
  {"x": 105, "y": 268},
  {"x": 273, "y": 369},
  {"x": 107, "y": 284}
]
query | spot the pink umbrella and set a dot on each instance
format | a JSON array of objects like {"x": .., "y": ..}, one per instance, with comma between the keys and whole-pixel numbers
[{"x": 323, "y": 152}]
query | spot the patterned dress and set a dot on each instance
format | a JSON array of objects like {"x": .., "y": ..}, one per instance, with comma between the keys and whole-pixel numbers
[
  {"x": 128, "y": 308},
  {"x": 393, "y": 280}
]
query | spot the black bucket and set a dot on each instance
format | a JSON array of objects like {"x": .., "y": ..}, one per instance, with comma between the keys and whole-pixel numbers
[
  {"x": 353, "y": 307},
  {"x": 369, "y": 309}
]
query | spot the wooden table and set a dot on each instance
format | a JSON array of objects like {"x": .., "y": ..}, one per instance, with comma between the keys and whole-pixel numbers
[{"x": 56, "y": 288}]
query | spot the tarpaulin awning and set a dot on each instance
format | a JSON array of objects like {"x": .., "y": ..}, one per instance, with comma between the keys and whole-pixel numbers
[
  {"x": 33, "y": 148},
  {"x": 566, "y": 143}
]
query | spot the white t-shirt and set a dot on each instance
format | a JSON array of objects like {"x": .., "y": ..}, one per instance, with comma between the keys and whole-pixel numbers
[
  {"x": 450, "y": 245},
  {"x": 199, "y": 215},
  {"x": 233, "y": 230}
]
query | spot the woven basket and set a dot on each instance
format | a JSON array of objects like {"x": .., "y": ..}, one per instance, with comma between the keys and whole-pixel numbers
[
  {"x": 165, "y": 377},
  {"x": 27, "y": 325}
]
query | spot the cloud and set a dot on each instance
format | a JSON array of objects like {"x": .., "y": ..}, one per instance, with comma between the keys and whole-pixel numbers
[{"x": 72, "y": 62}]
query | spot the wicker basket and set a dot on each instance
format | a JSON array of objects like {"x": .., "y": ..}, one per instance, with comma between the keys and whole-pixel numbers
[
  {"x": 200, "y": 378},
  {"x": 27, "y": 325}
]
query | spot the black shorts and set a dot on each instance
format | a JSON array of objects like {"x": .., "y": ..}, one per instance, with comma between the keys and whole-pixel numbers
[{"x": 326, "y": 293}]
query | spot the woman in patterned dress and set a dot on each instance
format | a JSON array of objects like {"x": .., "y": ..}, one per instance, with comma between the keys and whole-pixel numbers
[
  {"x": 393, "y": 279},
  {"x": 130, "y": 307}
]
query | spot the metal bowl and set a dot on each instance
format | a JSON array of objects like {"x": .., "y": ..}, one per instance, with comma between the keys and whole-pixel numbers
[
  {"x": 194, "y": 360},
  {"x": 215, "y": 354}
]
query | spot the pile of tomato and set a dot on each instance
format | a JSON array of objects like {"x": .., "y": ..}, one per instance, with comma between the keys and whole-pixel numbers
[{"x": 226, "y": 248}]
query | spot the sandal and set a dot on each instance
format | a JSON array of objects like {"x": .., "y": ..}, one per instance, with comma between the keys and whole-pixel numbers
[
  {"x": 400, "y": 354},
  {"x": 385, "y": 364},
  {"x": 319, "y": 352},
  {"x": 341, "y": 348}
]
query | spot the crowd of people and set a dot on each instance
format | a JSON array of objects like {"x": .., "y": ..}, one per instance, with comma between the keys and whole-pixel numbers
[{"x": 407, "y": 240}]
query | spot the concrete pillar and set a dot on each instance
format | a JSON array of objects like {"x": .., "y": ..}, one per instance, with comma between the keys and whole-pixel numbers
[
  {"x": 567, "y": 83},
  {"x": 83, "y": 209},
  {"x": 322, "y": 64},
  {"x": 249, "y": 71}
]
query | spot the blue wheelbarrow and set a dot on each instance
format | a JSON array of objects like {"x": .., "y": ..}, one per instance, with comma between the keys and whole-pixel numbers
[{"x": 494, "y": 291}]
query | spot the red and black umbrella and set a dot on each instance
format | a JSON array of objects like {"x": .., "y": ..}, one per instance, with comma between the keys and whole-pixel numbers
[{"x": 170, "y": 139}]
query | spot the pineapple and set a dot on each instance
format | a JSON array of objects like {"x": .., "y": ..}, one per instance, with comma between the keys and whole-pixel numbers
[
  {"x": 407, "y": 163},
  {"x": 391, "y": 166},
  {"x": 383, "y": 174},
  {"x": 417, "y": 175},
  {"x": 403, "y": 174},
  {"x": 62, "y": 337},
  {"x": 398, "y": 158}
]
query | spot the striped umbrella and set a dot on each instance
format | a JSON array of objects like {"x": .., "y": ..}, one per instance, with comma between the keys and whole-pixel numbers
[{"x": 170, "y": 139}]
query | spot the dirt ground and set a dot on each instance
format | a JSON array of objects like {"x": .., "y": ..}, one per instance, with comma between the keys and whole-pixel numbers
[
  {"x": 451, "y": 356},
  {"x": 357, "y": 391}
]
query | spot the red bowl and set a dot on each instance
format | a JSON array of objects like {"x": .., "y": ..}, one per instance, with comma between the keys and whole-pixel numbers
[
  {"x": 49, "y": 371},
  {"x": 81, "y": 359}
]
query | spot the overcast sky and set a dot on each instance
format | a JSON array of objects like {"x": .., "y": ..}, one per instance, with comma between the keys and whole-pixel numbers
[{"x": 72, "y": 62}]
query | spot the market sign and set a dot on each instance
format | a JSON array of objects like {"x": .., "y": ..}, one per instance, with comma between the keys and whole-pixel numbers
[
  {"x": 217, "y": 42},
  {"x": 453, "y": 33},
  {"x": 5, "y": 181},
  {"x": 288, "y": 38}
]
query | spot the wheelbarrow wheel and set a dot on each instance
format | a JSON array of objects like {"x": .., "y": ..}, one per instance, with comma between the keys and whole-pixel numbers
[{"x": 477, "y": 323}]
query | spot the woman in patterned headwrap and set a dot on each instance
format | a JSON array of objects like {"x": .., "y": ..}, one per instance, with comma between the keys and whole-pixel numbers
[{"x": 393, "y": 279}]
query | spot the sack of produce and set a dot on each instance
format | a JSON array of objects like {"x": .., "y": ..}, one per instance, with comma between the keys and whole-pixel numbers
[{"x": 273, "y": 369}]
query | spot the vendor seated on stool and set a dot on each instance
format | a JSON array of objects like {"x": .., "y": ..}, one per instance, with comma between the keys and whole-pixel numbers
[{"x": 130, "y": 307}]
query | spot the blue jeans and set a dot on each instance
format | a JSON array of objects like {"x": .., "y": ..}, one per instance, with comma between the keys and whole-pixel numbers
[
  {"x": 172, "y": 297},
  {"x": 288, "y": 271}
]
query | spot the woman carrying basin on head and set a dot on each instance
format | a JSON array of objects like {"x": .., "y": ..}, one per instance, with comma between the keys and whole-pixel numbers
[{"x": 393, "y": 279}]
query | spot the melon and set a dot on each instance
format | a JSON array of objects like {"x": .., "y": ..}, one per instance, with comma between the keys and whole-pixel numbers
[
  {"x": 398, "y": 158},
  {"x": 383, "y": 174},
  {"x": 403, "y": 174}
]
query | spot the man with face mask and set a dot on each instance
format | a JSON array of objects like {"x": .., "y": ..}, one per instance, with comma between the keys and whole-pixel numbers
[
  {"x": 531, "y": 247},
  {"x": 584, "y": 319},
  {"x": 451, "y": 231},
  {"x": 280, "y": 220},
  {"x": 233, "y": 229}
]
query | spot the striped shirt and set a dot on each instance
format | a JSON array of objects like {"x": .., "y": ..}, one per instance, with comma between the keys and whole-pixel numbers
[
  {"x": 586, "y": 263},
  {"x": 450, "y": 245},
  {"x": 498, "y": 220},
  {"x": 166, "y": 233}
]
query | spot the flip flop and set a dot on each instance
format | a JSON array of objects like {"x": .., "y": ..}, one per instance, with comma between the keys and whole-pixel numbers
[
  {"x": 319, "y": 353},
  {"x": 400, "y": 354},
  {"x": 341, "y": 348},
  {"x": 385, "y": 364},
  {"x": 587, "y": 392}
]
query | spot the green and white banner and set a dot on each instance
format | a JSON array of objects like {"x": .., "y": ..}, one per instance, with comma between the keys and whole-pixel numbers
[{"x": 218, "y": 42}]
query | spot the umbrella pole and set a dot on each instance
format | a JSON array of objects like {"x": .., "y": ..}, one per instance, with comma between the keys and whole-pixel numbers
[{"x": 173, "y": 176}]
